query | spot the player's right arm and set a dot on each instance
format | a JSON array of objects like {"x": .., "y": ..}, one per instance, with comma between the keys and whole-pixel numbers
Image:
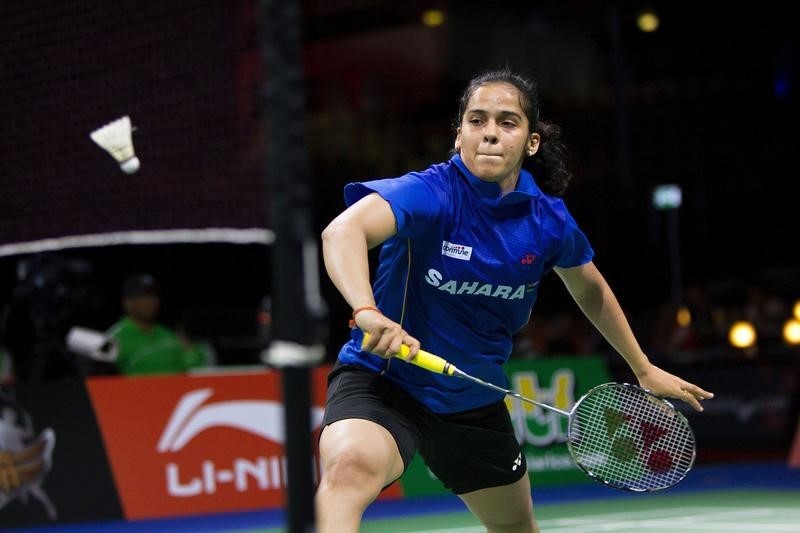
[{"x": 345, "y": 246}]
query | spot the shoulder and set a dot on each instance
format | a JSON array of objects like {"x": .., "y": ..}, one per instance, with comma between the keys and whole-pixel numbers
[
  {"x": 553, "y": 207},
  {"x": 438, "y": 176},
  {"x": 436, "y": 172},
  {"x": 121, "y": 326},
  {"x": 432, "y": 183},
  {"x": 164, "y": 331}
]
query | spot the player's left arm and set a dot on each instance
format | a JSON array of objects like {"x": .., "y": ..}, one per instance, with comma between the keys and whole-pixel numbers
[{"x": 595, "y": 298}]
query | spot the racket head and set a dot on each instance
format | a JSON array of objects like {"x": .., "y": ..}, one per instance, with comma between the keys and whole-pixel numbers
[{"x": 627, "y": 438}]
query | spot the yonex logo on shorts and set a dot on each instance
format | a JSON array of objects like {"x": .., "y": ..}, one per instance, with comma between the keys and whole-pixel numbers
[{"x": 456, "y": 251}]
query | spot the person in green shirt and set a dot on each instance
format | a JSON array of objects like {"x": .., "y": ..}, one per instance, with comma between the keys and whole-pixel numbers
[{"x": 145, "y": 345}]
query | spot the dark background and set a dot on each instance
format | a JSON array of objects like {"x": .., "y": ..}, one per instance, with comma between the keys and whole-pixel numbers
[
  {"x": 79, "y": 484},
  {"x": 709, "y": 102}
]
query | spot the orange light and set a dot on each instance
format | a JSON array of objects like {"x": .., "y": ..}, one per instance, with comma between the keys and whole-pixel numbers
[
  {"x": 742, "y": 334},
  {"x": 683, "y": 316},
  {"x": 791, "y": 331}
]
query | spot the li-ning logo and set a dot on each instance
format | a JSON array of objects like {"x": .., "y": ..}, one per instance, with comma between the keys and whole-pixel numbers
[
  {"x": 517, "y": 462},
  {"x": 191, "y": 417},
  {"x": 456, "y": 251}
]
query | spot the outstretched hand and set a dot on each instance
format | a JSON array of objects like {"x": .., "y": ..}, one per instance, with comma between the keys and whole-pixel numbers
[{"x": 666, "y": 385}]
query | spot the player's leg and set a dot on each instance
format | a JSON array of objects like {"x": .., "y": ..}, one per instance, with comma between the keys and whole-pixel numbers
[
  {"x": 476, "y": 454},
  {"x": 358, "y": 459},
  {"x": 504, "y": 509},
  {"x": 367, "y": 440}
]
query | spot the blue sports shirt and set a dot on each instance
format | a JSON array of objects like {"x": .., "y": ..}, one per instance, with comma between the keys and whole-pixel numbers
[{"x": 462, "y": 275}]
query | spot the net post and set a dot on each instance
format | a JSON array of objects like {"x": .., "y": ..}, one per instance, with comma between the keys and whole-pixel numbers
[{"x": 298, "y": 310}]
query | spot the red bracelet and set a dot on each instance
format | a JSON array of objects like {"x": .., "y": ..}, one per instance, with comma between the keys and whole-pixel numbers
[{"x": 358, "y": 310}]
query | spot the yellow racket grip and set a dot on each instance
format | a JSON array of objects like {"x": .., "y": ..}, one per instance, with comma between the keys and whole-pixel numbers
[{"x": 423, "y": 359}]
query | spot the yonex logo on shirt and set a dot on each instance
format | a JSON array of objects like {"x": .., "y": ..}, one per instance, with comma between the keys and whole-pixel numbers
[{"x": 456, "y": 251}]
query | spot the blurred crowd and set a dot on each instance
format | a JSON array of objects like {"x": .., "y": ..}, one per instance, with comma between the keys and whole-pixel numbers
[
  {"x": 55, "y": 326},
  {"x": 53, "y": 299},
  {"x": 695, "y": 329}
]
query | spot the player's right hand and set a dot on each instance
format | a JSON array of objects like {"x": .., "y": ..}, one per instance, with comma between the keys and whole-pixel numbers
[{"x": 385, "y": 336}]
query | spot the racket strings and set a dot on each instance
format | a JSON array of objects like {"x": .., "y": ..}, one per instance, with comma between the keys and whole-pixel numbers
[{"x": 630, "y": 439}]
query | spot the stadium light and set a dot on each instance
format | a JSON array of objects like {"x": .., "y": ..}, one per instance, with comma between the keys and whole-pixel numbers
[
  {"x": 742, "y": 334},
  {"x": 647, "y": 21},
  {"x": 433, "y": 18},
  {"x": 791, "y": 332},
  {"x": 667, "y": 196},
  {"x": 683, "y": 317}
]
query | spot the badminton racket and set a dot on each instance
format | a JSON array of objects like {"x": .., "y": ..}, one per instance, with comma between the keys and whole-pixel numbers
[{"x": 619, "y": 434}]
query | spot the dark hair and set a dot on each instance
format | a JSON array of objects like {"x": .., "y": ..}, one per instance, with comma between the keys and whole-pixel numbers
[
  {"x": 139, "y": 285},
  {"x": 549, "y": 164}
]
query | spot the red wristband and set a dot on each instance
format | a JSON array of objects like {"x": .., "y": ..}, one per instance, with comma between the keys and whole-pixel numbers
[{"x": 358, "y": 310}]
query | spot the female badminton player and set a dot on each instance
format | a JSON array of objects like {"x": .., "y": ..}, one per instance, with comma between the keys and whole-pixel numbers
[{"x": 465, "y": 244}]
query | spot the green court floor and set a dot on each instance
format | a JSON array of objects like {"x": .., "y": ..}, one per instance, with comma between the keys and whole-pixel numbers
[
  {"x": 726, "y": 498},
  {"x": 729, "y": 511}
]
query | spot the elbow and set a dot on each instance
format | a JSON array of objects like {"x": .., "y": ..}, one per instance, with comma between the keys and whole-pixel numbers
[
  {"x": 328, "y": 235},
  {"x": 588, "y": 296},
  {"x": 335, "y": 232}
]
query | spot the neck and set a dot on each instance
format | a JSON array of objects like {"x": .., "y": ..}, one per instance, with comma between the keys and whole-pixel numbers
[
  {"x": 508, "y": 184},
  {"x": 144, "y": 325}
]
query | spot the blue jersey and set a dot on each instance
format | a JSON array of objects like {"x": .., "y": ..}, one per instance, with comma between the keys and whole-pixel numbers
[{"x": 462, "y": 274}]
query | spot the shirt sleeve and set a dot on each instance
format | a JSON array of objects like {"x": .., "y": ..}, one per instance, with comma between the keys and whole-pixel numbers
[
  {"x": 415, "y": 203},
  {"x": 575, "y": 248}
]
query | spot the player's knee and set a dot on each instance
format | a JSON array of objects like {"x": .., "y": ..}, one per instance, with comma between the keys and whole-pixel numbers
[{"x": 353, "y": 471}]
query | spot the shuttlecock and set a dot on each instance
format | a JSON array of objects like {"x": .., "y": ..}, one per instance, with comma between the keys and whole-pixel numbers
[{"x": 115, "y": 138}]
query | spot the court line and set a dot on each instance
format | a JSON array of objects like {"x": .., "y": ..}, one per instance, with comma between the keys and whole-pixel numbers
[
  {"x": 662, "y": 518},
  {"x": 698, "y": 512},
  {"x": 677, "y": 525},
  {"x": 470, "y": 529},
  {"x": 718, "y": 519}
]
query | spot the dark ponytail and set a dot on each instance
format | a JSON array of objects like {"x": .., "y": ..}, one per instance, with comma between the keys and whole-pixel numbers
[{"x": 549, "y": 164}]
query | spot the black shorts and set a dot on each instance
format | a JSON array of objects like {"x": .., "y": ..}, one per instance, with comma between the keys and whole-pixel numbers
[{"x": 467, "y": 451}]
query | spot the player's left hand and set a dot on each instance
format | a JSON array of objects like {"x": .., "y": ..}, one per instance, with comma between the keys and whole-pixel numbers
[{"x": 666, "y": 385}]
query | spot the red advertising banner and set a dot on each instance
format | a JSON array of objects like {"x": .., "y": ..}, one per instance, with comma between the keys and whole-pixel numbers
[{"x": 181, "y": 445}]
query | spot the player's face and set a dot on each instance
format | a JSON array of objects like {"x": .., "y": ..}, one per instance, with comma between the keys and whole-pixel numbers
[{"x": 494, "y": 136}]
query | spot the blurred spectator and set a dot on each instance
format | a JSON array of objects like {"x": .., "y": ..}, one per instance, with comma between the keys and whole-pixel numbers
[
  {"x": 767, "y": 312},
  {"x": 688, "y": 329},
  {"x": 51, "y": 294},
  {"x": 145, "y": 345},
  {"x": 7, "y": 376},
  {"x": 6, "y": 367},
  {"x": 670, "y": 336},
  {"x": 708, "y": 322}
]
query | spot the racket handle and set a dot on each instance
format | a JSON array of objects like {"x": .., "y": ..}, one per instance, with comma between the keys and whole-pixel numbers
[
  {"x": 423, "y": 359},
  {"x": 428, "y": 361}
]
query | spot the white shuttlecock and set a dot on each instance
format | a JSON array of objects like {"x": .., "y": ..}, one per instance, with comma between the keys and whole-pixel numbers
[{"x": 115, "y": 138}]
